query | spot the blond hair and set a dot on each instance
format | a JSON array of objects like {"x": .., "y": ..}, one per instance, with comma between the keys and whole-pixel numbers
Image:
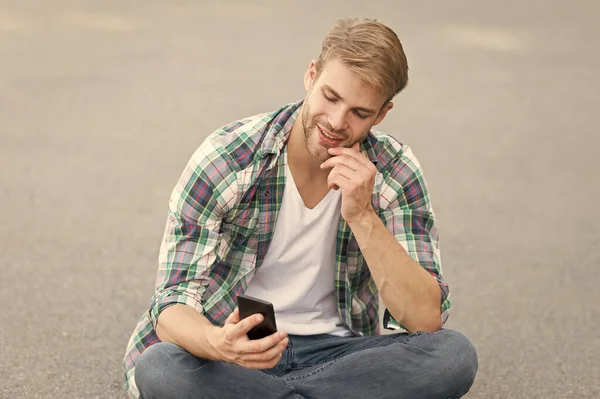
[{"x": 371, "y": 50}]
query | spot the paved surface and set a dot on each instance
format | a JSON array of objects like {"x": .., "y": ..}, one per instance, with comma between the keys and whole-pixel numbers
[{"x": 101, "y": 104}]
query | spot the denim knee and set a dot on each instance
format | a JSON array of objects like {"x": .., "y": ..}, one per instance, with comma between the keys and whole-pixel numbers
[
  {"x": 152, "y": 368},
  {"x": 457, "y": 363}
]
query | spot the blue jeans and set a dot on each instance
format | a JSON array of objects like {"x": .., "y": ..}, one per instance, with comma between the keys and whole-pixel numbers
[{"x": 421, "y": 365}]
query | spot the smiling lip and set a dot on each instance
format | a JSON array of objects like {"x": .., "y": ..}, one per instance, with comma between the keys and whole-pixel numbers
[{"x": 326, "y": 133}]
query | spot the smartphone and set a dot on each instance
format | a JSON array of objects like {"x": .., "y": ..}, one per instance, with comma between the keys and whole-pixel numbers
[{"x": 248, "y": 306}]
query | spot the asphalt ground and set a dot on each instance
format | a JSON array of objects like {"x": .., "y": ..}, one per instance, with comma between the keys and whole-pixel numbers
[{"x": 102, "y": 103}]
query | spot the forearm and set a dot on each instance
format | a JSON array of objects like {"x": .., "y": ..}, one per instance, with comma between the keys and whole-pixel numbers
[
  {"x": 409, "y": 292},
  {"x": 182, "y": 325}
]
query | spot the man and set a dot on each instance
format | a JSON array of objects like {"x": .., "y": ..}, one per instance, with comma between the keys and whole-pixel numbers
[{"x": 310, "y": 209}]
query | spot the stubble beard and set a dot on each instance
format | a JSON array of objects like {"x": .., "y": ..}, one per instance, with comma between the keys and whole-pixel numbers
[
  {"x": 310, "y": 136},
  {"x": 311, "y": 139}
]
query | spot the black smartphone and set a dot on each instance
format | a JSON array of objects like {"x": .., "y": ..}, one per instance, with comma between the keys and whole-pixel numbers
[{"x": 248, "y": 306}]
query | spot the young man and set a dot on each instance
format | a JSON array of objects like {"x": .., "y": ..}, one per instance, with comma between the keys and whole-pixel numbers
[{"x": 310, "y": 209}]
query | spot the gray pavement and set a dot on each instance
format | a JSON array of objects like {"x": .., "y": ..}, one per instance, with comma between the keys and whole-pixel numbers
[{"x": 101, "y": 104}]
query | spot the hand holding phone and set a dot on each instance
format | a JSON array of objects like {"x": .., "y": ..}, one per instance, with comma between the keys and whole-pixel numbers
[
  {"x": 231, "y": 343},
  {"x": 248, "y": 306}
]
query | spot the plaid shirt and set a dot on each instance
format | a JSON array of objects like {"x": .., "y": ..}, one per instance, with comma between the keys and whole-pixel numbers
[{"x": 222, "y": 216}]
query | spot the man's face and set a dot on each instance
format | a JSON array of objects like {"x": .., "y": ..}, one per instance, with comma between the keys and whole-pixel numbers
[{"x": 339, "y": 109}]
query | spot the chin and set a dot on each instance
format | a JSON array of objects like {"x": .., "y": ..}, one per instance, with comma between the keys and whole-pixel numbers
[
  {"x": 321, "y": 154},
  {"x": 318, "y": 152}
]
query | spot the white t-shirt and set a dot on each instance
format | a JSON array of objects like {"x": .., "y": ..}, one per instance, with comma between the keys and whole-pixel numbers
[{"x": 297, "y": 272}]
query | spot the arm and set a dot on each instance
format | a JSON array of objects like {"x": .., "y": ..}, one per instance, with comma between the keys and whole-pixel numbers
[
  {"x": 187, "y": 252},
  {"x": 409, "y": 292},
  {"x": 406, "y": 280},
  {"x": 185, "y": 327},
  {"x": 191, "y": 234}
]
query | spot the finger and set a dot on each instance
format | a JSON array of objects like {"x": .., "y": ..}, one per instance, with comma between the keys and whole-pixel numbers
[
  {"x": 261, "y": 365},
  {"x": 234, "y": 317},
  {"x": 264, "y": 344},
  {"x": 268, "y": 354},
  {"x": 337, "y": 181},
  {"x": 350, "y": 162},
  {"x": 247, "y": 323},
  {"x": 344, "y": 171},
  {"x": 351, "y": 152}
]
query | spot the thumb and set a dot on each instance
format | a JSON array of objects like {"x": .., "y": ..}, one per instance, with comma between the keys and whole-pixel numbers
[
  {"x": 356, "y": 146},
  {"x": 234, "y": 317}
]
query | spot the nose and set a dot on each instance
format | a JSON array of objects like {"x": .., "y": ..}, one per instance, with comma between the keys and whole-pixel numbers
[{"x": 337, "y": 119}]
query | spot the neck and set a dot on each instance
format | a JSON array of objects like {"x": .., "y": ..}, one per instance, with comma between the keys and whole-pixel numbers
[{"x": 300, "y": 160}]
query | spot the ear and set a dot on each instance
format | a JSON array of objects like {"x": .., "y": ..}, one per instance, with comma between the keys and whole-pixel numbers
[
  {"x": 310, "y": 76},
  {"x": 383, "y": 112}
]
